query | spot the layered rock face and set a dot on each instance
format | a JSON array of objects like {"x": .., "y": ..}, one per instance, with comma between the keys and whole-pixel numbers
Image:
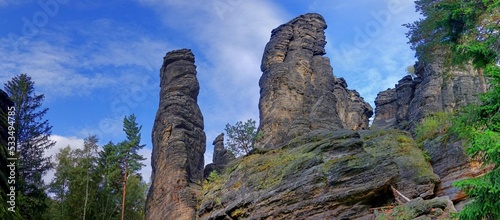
[
  {"x": 178, "y": 141},
  {"x": 298, "y": 92},
  {"x": 339, "y": 174},
  {"x": 435, "y": 89},
  {"x": 221, "y": 156}
]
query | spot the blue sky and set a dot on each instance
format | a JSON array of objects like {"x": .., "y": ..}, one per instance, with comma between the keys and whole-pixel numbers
[{"x": 97, "y": 61}]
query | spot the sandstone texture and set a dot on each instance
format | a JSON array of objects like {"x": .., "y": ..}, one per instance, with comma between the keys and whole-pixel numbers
[
  {"x": 178, "y": 141},
  {"x": 221, "y": 157},
  {"x": 434, "y": 89},
  {"x": 450, "y": 163},
  {"x": 298, "y": 91},
  {"x": 339, "y": 174}
]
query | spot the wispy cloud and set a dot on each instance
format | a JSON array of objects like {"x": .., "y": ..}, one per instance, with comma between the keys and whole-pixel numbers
[
  {"x": 230, "y": 38},
  {"x": 377, "y": 49},
  {"x": 60, "y": 68}
]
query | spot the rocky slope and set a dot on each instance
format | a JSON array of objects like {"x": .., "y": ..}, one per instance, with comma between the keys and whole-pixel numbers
[
  {"x": 299, "y": 92},
  {"x": 320, "y": 175},
  {"x": 178, "y": 141}
]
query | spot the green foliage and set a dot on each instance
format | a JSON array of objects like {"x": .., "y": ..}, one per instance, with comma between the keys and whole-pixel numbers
[
  {"x": 464, "y": 32},
  {"x": 433, "y": 125},
  {"x": 403, "y": 213},
  {"x": 32, "y": 140},
  {"x": 128, "y": 149},
  {"x": 460, "y": 31},
  {"x": 213, "y": 176},
  {"x": 241, "y": 137},
  {"x": 90, "y": 183},
  {"x": 410, "y": 70}
]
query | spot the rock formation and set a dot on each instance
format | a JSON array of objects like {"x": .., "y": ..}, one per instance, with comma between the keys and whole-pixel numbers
[
  {"x": 316, "y": 161},
  {"x": 221, "y": 156},
  {"x": 339, "y": 174},
  {"x": 178, "y": 141},
  {"x": 298, "y": 92},
  {"x": 435, "y": 89}
]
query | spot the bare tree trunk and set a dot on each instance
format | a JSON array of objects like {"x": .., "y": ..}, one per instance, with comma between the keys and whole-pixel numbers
[
  {"x": 86, "y": 196},
  {"x": 124, "y": 190}
]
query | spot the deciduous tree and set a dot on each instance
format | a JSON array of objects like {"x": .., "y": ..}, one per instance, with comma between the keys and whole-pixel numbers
[{"x": 241, "y": 137}]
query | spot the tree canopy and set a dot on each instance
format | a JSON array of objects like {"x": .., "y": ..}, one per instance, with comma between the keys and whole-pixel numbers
[{"x": 241, "y": 137}]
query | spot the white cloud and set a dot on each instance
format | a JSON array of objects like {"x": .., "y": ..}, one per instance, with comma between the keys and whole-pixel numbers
[
  {"x": 61, "y": 69},
  {"x": 230, "y": 38},
  {"x": 377, "y": 49}
]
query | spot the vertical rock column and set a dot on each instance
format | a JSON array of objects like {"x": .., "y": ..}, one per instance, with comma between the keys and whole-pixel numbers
[
  {"x": 298, "y": 92},
  {"x": 178, "y": 141}
]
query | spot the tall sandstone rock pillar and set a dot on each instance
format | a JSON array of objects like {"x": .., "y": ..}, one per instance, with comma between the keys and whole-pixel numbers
[
  {"x": 298, "y": 91},
  {"x": 178, "y": 141}
]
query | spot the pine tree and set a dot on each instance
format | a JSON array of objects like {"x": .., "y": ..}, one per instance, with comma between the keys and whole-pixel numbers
[
  {"x": 129, "y": 159},
  {"x": 32, "y": 140}
]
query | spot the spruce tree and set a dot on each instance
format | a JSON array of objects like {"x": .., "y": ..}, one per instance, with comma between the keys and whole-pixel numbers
[{"x": 32, "y": 140}]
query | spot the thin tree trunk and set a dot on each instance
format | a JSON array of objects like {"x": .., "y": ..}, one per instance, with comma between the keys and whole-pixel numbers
[
  {"x": 86, "y": 195},
  {"x": 124, "y": 190}
]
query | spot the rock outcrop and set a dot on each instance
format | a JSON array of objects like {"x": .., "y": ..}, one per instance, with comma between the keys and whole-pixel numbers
[
  {"x": 178, "y": 141},
  {"x": 434, "y": 89},
  {"x": 450, "y": 163},
  {"x": 221, "y": 156},
  {"x": 339, "y": 174},
  {"x": 298, "y": 91}
]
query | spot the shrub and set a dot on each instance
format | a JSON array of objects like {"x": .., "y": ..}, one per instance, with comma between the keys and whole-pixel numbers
[{"x": 433, "y": 125}]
